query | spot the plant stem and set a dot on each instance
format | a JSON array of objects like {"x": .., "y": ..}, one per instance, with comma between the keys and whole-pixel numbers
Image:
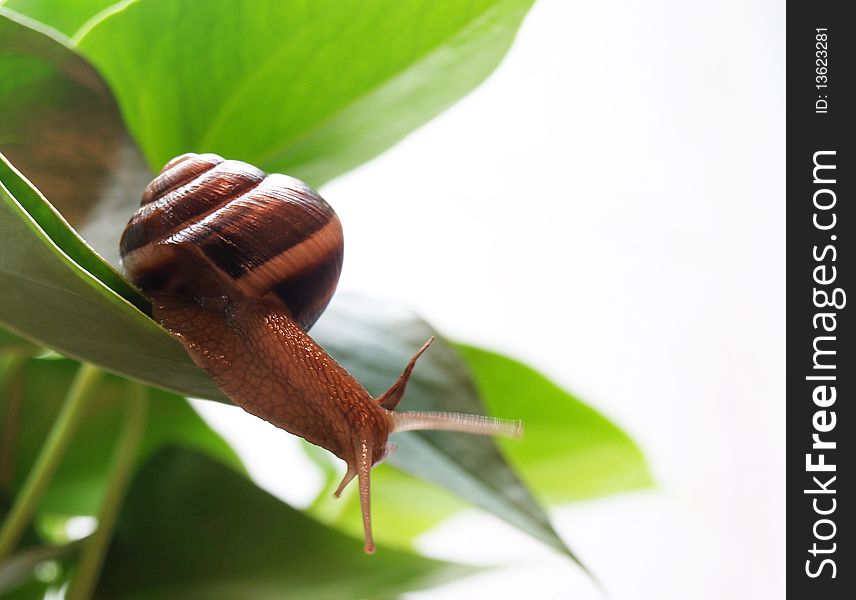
[
  {"x": 51, "y": 454},
  {"x": 95, "y": 548},
  {"x": 11, "y": 367}
]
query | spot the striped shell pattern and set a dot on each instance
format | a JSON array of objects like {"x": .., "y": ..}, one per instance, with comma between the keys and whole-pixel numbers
[{"x": 209, "y": 227}]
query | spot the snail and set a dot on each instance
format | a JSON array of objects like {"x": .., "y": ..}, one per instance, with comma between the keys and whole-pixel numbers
[{"x": 238, "y": 265}]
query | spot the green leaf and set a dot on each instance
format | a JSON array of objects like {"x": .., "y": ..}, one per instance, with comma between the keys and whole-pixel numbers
[
  {"x": 563, "y": 434},
  {"x": 221, "y": 537},
  {"x": 66, "y": 16},
  {"x": 79, "y": 483},
  {"x": 68, "y": 299},
  {"x": 311, "y": 89},
  {"x": 61, "y": 127}
]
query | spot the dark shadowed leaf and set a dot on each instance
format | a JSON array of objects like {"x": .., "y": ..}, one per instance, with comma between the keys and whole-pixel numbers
[
  {"x": 61, "y": 127},
  {"x": 311, "y": 89},
  {"x": 216, "y": 536}
]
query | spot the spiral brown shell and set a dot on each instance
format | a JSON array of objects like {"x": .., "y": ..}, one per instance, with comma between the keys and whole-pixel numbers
[{"x": 209, "y": 227}]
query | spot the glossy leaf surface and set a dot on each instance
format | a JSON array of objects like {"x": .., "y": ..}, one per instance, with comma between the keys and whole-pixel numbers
[{"x": 311, "y": 89}]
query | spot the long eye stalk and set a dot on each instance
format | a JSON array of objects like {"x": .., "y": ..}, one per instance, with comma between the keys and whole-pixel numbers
[{"x": 448, "y": 421}]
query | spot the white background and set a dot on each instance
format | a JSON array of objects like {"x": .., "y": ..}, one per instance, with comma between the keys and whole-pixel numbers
[{"x": 609, "y": 207}]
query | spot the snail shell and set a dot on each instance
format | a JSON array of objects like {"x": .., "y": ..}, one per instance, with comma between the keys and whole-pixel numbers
[{"x": 214, "y": 227}]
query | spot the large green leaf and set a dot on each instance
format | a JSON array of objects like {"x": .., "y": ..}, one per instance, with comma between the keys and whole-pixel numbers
[
  {"x": 193, "y": 529},
  {"x": 78, "y": 485},
  {"x": 563, "y": 434},
  {"x": 60, "y": 125},
  {"x": 312, "y": 89}
]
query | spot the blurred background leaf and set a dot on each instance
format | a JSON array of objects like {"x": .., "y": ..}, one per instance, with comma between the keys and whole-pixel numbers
[
  {"x": 30, "y": 573},
  {"x": 312, "y": 89},
  {"x": 217, "y": 536},
  {"x": 62, "y": 128},
  {"x": 572, "y": 452},
  {"x": 66, "y": 16},
  {"x": 78, "y": 485}
]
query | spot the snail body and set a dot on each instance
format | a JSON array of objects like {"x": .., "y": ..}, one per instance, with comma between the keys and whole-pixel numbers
[{"x": 238, "y": 266}]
